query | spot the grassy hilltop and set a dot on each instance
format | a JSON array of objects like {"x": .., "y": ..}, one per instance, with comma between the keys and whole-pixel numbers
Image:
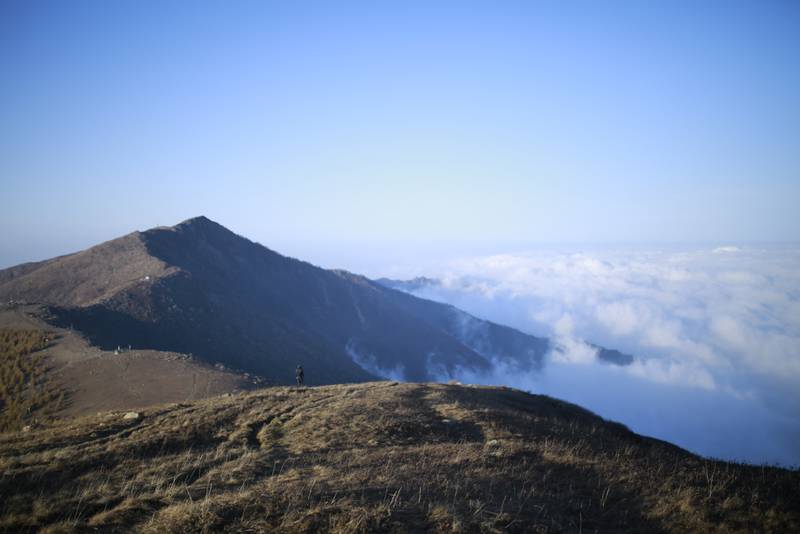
[{"x": 376, "y": 457}]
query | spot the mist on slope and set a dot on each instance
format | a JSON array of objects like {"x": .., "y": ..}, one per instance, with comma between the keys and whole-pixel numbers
[{"x": 715, "y": 334}]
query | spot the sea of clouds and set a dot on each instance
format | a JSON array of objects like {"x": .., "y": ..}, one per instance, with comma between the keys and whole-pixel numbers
[{"x": 715, "y": 333}]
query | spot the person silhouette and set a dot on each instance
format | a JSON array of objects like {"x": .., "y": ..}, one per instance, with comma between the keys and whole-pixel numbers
[{"x": 299, "y": 375}]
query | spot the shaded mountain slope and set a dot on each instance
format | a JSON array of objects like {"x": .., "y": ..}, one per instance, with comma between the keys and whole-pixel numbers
[
  {"x": 377, "y": 457},
  {"x": 198, "y": 288},
  {"x": 493, "y": 341},
  {"x": 490, "y": 339},
  {"x": 63, "y": 375}
]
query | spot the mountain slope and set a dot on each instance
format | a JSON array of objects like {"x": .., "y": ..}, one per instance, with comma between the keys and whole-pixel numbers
[
  {"x": 85, "y": 278},
  {"x": 59, "y": 374},
  {"x": 200, "y": 289},
  {"x": 485, "y": 337},
  {"x": 377, "y": 457}
]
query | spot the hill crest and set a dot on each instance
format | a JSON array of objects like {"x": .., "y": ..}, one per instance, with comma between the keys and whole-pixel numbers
[{"x": 377, "y": 457}]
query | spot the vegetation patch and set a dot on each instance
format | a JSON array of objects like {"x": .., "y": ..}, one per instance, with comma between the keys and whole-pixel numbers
[{"x": 26, "y": 393}]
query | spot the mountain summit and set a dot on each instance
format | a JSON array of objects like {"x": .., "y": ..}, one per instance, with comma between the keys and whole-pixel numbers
[{"x": 199, "y": 288}]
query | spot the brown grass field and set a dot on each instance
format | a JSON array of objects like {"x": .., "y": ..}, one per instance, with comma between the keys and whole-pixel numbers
[
  {"x": 377, "y": 457},
  {"x": 26, "y": 393}
]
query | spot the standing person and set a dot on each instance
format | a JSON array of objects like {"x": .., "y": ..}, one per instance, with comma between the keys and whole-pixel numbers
[{"x": 299, "y": 375}]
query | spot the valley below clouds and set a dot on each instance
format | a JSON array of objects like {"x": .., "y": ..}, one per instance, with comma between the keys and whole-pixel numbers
[{"x": 715, "y": 334}]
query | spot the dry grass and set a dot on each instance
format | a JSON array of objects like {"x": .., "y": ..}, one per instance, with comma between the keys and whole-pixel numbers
[
  {"x": 26, "y": 394},
  {"x": 377, "y": 457}
]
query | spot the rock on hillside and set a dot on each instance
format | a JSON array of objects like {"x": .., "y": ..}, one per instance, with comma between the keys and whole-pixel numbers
[{"x": 377, "y": 457}]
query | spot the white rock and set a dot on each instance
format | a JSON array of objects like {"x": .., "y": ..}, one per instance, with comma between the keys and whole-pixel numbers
[{"x": 131, "y": 415}]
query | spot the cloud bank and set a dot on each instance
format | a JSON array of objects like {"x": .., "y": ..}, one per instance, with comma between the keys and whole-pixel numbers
[{"x": 715, "y": 333}]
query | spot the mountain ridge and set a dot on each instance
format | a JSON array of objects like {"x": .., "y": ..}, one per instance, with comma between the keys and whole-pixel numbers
[{"x": 196, "y": 287}]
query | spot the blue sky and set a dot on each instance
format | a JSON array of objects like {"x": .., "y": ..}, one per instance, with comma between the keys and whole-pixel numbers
[{"x": 344, "y": 132}]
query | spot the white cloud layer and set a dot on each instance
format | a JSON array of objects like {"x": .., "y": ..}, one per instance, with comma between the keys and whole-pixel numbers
[{"x": 721, "y": 321}]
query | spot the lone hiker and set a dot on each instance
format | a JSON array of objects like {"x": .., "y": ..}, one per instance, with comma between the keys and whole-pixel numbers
[{"x": 298, "y": 374}]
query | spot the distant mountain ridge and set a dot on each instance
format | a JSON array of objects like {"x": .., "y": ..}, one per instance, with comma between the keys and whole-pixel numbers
[
  {"x": 199, "y": 288},
  {"x": 409, "y": 286}
]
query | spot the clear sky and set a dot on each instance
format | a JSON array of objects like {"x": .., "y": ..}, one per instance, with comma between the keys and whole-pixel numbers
[{"x": 336, "y": 130}]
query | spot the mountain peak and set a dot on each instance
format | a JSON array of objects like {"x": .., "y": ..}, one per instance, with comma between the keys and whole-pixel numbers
[
  {"x": 197, "y": 227},
  {"x": 197, "y": 222}
]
